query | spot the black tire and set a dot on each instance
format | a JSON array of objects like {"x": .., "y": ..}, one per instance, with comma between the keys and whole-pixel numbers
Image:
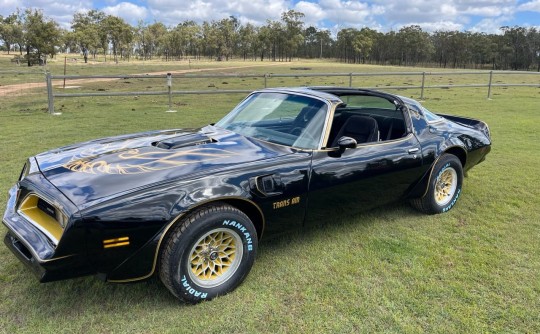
[
  {"x": 208, "y": 253},
  {"x": 441, "y": 195}
]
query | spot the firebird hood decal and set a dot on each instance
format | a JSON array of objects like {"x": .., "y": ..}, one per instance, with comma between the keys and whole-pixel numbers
[
  {"x": 105, "y": 168},
  {"x": 136, "y": 161}
]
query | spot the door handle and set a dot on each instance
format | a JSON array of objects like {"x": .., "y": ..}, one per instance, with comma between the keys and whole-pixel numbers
[{"x": 413, "y": 150}]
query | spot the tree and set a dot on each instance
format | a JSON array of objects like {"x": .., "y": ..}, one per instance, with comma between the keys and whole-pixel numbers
[
  {"x": 226, "y": 31},
  {"x": 441, "y": 44},
  {"x": 355, "y": 45},
  {"x": 534, "y": 38},
  {"x": 68, "y": 41},
  {"x": 384, "y": 49},
  {"x": 94, "y": 31},
  {"x": 324, "y": 40},
  {"x": 414, "y": 44},
  {"x": 518, "y": 40},
  {"x": 362, "y": 44},
  {"x": 40, "y": 34},
  {"x": 11, "y": 30},
  {"x": 247, "y": 40},
  {"x": 481, "y": 49},
  {"x": 315, "y": 42},
  {"x": 265, "y": 40},
  {"x": 89, "y": 31},
  {"x": 119, "y": 35},
  {"x": 150, "y": 39},
  {"x": 294, "y": 26}
]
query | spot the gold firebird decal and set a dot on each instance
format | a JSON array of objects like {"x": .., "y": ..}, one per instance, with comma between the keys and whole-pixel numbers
[{"x": 134, "y": 161}]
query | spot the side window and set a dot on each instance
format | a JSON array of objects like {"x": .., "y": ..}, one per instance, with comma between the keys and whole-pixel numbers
[
  {"x": 375, "y": 119},
  {"x": 431, "y": 117},
  {"x": 418, "y": 110}
]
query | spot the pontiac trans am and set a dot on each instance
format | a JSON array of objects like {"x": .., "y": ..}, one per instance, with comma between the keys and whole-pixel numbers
[{"x": 191, "y": 205}]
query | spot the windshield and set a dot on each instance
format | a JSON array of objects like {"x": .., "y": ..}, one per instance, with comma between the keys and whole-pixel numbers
[{"x": 281, "y": 118}]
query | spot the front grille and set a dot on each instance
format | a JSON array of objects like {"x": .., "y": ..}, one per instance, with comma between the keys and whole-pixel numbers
[{"x": 46, "y": 208}]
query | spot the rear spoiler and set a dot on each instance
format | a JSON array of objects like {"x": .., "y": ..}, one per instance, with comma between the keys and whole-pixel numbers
[{"x": 469, "y": 122}]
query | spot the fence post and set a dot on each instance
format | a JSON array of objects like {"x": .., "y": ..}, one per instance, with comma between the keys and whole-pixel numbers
[
  {"x": 265, "y": 78},
  {"x": 350, "y": 79},
  {"x": 423, "y": 85},
  {"x": 489, "y": 84},
  {"x": 50, "y": 95},
  {"x": 169, "y": 89},
  {"x": 65, "y": 65}
]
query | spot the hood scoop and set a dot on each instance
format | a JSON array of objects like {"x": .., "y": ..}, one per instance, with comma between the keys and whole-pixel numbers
[{"x": 192, "y": 139}]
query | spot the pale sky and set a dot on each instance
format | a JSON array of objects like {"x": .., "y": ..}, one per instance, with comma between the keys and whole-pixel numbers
[{"x": 383, "y": 15}]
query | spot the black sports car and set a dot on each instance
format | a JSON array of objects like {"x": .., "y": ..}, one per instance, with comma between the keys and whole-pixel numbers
[{"x": 191, "y": 205}]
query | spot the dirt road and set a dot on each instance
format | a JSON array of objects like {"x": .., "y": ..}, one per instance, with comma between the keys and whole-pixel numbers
[{"x": 18, "y": 88}]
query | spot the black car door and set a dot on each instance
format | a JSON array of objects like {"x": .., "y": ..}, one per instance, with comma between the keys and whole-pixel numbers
[{"x": 369, "y": 175}]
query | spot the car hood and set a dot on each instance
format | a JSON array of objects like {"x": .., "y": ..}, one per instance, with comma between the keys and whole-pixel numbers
[{"x": 98, "y": 169}]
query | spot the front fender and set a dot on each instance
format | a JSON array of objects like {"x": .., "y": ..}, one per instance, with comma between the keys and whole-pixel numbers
[{"x": 142, "y": 263}]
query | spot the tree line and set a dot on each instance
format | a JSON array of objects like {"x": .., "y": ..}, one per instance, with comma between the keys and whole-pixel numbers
[{"x": 93, "y": 33}]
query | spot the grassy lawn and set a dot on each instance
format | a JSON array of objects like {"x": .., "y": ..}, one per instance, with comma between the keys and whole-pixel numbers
[{"x": 475, "y": 269}]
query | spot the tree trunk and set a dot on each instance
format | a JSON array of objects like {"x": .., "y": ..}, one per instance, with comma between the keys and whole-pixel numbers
[{"x": 28, "y": 56}]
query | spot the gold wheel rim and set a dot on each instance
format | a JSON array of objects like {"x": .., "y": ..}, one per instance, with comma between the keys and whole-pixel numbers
[
  {"x": 215, "y": 257},
  {"x": 445, "y": 186}
]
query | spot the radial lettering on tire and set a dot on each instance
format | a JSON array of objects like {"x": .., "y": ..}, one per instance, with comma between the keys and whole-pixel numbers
[{"x": 209, "y": 253}]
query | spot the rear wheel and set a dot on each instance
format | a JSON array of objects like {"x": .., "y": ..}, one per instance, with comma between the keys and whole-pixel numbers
[
  {"x": 209, "y": 253},
  {"x": 444, "y": 186}
]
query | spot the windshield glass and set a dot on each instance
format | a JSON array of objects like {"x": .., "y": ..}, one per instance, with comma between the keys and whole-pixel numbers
[{"x": 281, "y": 118}]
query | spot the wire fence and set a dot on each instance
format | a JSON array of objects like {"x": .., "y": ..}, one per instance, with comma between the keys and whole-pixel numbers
[{"x": 184, "y": 84}]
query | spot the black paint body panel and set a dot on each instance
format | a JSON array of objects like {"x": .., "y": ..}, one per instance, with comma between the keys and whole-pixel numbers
[{"x": 137, "y": 186}]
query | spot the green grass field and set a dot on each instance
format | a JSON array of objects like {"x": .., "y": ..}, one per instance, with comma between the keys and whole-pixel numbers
[{"x": 475, "y": 269}]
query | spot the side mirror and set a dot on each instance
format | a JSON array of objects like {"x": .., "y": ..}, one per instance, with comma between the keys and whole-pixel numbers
[{"x": 345, "y": 143}]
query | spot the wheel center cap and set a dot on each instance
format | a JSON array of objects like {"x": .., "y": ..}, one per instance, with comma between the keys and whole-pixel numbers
[{"x": 213, "y": 256}]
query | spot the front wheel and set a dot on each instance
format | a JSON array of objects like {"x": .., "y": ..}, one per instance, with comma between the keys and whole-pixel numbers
[
  {"x": 444, "y": 186},
  {"x": 209, "y": 253}
]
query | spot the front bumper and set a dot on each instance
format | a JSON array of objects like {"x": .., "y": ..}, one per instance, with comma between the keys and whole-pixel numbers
[{"x": 32, "y": 247}]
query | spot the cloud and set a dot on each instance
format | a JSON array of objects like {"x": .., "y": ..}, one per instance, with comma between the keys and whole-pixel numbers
[
  {"x": 61, "y": 11},
  {"x": 349, "y": 13},
  {"x": 314, "y": 13},
  {"x": 490, "y": 26},
  {"x": 376, "y": 14},
  {"x": 531, "y": 6},
  {"x": 439, "y": 25},
  {"x": 9, "y": 6},
  {"x": 128, "y": 11},
  {"x": 172, "y": 12}
]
